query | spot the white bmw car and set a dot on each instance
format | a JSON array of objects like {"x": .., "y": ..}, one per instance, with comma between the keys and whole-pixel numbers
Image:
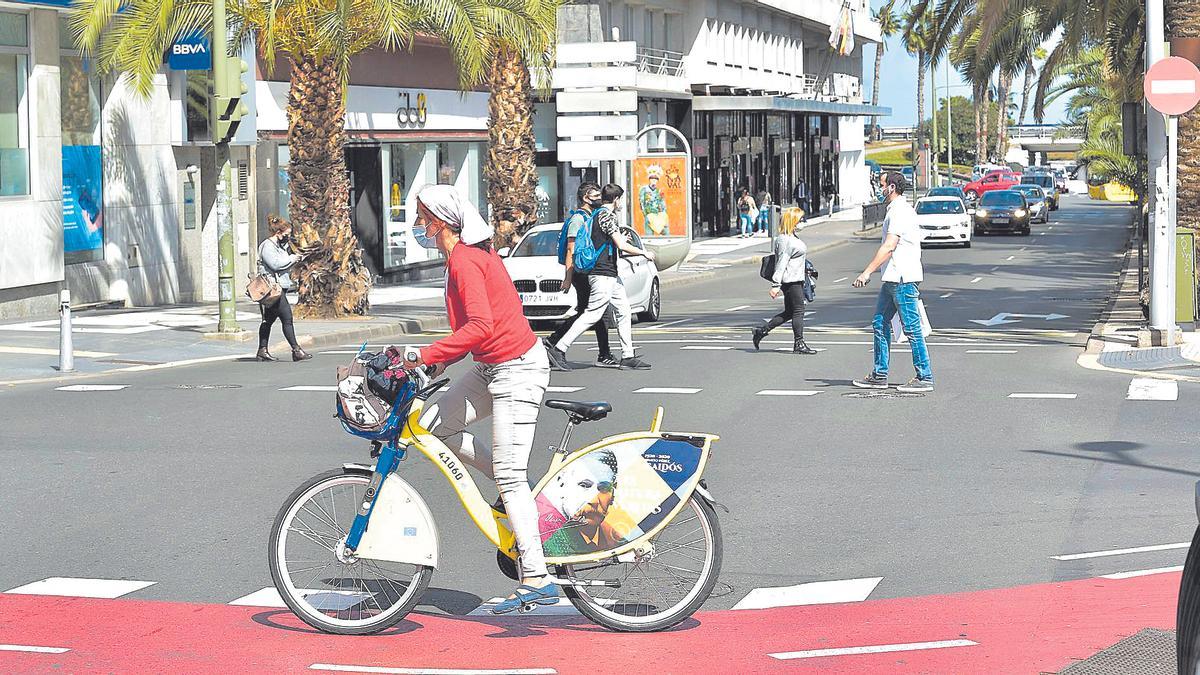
[
  {"x": 944, "y": 220},
  {"x": 535, "y": 271}
]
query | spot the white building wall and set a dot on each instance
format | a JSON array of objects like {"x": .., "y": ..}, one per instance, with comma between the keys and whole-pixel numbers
[{"x": 854, "y": 179}]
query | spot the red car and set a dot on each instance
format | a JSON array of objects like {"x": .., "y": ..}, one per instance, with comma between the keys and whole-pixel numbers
[{"x": 992, "y": 180}]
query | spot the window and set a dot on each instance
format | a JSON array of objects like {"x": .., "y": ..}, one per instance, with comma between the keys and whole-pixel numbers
[
  {"x": 14, "y": 106},
  {"x": 939, "y": 206},
  {"x": 538, "y": 244}
]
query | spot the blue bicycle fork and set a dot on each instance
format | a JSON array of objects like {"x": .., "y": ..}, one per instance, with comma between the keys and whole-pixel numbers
[{"x": 389, "y": 458}]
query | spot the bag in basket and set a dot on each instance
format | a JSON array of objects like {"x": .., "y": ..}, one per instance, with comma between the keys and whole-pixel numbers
[{"x": 358, "y": 406}]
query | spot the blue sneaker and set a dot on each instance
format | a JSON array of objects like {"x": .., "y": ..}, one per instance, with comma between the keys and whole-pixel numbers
[{"x": 547, "y": 595}]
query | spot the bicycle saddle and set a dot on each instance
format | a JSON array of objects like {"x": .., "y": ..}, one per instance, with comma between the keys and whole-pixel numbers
[{"x": 588, "y": 412}]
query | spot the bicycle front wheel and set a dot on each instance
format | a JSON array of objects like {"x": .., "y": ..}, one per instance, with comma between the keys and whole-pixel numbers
[
  {"x": 659, "y": 588},
  {"x": 328, "y": 588}
]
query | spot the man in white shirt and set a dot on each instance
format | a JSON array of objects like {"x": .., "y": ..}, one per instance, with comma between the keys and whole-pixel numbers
[{"x": 900, "y": 257}]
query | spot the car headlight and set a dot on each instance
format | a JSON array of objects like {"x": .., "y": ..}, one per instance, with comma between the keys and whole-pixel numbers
[
  {"x": 1019, "y": 212},
  {"x": 981, "y": 213}
]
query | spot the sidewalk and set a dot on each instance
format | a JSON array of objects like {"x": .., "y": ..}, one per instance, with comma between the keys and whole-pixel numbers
[
  {"x": 1119, "y": 341},
  {"x": 125, "y": 340}
]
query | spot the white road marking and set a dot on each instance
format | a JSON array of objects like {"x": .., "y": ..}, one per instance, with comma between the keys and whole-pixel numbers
[
  {"x": 667, "y": 390},
  {"x": 991, "y": 351},
  {"x": 945, "y": 295},
  {"x": 873, "y": 649},
  {"x": 738, "y": 308},
  {"x": 838, "y": 281},
  {"x": 563, "y": 390},
  {"x": 1142, "y": 573},
  {"x": 1121, "y": 551},
  {"x": 562, "y": 607},
  {"x": 788, "y": 349},
  {"x": 266, "y": 597},
  {"x": 340, "y": 351},
  {"x": 787, "y": 392},
  {"x": 706, "y": 347},
  {"x": 1010, "y": 257},
  {"x": 671, "y": 323},
  {"x": 311, "y": 387},
  {"x": 1152, "y": 389},
  {"x": 700, "y": 300},
  {"x": 41, "y": 351},
  {"x": 1041, "y": 233},
  {"x": 1035, "y": 395},
  {"x": 1020, "y": 249},
  {"x": 81, "y": 588},
  {"x": 33, "y": 649},
  {"x": 429, "y": 671},
  {"x": 815, "y": 593},
  {"x": 269, "y": 597},
  {"x": 92, "y": 387},
  {"x": 977, "y": 280}
]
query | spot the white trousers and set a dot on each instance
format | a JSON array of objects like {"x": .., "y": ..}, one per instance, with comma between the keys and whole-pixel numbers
[
  {"x": 606, "y": 292},
  {"x": 511, "y": 394}
]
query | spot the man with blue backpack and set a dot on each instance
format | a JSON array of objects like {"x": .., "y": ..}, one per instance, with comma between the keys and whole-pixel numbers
[
  {"x": 589, "y": 200},
  {"x": 597, "y": 244}
]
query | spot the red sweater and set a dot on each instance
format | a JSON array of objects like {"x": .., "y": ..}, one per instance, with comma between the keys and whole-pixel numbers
[{"x": 484, "y": 310}]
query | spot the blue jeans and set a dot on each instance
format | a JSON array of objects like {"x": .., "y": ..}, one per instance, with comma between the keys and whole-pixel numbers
[
  {"x": 764, "y": 219},
  {"x": 895, "y": 297},
  {"x": 747, "y": 223}
]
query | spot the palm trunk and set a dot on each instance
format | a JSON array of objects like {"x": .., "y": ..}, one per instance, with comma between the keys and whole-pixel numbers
[
  {"x": 878, "y": 64},
  {"x": 334, "y": 281},
  {"x": 920, "y": 103},
  {"x": 1182, "y": 21},
  {"x": 1026, "y": 88},
  {"x": 511, "y": 171},
  {"x": 980, "y": 129},
  {"x": 1002, "y": 117}
]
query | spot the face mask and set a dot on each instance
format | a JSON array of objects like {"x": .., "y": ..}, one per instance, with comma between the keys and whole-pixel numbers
[
  {"x": 595, "y": 202},
  {"x": 285, "y": 239},
  {"x": 423, "y": 240}
]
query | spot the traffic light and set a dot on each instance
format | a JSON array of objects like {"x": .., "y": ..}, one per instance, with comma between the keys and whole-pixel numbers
[{"x": 226, "y": 108}]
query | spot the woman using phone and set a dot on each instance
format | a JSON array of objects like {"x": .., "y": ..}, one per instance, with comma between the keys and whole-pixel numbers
[{"x": 275, "y": 260}]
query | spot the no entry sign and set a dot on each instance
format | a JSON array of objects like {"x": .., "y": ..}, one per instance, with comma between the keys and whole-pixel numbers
[{"x": 1172, "y": 85}]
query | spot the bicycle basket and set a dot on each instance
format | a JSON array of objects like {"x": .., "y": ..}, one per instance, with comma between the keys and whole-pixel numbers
[{"x": 360, "y": 406}]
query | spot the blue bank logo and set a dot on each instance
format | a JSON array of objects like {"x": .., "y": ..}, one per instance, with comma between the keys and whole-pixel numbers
[{"x": 190, "y": 53}]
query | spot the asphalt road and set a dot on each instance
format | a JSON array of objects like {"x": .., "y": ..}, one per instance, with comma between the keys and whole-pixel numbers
[{"x": 176, "y": 478}]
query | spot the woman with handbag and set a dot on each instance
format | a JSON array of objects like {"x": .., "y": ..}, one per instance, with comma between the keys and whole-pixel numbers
[
  {"x": 747, "y": 212},
  {"x": 789, "y": 280},
  {"x": 274, "y": 262}
]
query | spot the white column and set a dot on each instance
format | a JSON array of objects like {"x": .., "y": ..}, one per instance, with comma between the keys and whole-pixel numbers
[{"x": 1162, "y": 227}]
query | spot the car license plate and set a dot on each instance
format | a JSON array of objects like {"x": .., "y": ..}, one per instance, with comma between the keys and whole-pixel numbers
[
  {"x": 536, "y": 298},
  {"x": 1000, "y": 221}
]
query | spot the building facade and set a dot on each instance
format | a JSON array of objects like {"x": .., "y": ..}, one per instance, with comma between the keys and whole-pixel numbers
[{"x": 754, "y": 85}]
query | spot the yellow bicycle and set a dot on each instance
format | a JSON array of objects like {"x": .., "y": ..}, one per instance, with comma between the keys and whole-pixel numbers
[{"x": 627, "y": 524}]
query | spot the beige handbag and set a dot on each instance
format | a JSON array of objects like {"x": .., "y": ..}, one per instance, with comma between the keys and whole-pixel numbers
[{"x": 264, "y": 290}]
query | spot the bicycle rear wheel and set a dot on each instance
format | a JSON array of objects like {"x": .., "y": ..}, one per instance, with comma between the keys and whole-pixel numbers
[
  {"x": 660, "y": 588},
  {"x": 326, "y": 587}
]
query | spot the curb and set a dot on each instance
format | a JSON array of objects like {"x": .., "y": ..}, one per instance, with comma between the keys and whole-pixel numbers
[
  {"x": 1095, "y": 341},
  {"x": 367, "y": 333}
]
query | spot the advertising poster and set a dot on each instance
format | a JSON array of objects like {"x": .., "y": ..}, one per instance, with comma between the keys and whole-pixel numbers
[
  {"x": 83, "y": 199},
  {"x": 660, "y": 196}
]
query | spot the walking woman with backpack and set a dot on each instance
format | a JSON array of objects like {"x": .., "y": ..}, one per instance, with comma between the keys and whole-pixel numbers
[
  {"x": 275, "y": 261},
  {"x": 507, "y": 383},
  {"x": 747, "y": 212},
  {"x": 789, "y": 279}
]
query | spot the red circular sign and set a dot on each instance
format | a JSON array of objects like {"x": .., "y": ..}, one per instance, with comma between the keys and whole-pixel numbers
[{"x": 1172, "y": 85}]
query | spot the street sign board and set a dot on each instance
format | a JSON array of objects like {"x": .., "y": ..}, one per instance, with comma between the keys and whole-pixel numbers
[
  {"x": 190, "y": 53},
  {"x": 1172, "y": 85}
]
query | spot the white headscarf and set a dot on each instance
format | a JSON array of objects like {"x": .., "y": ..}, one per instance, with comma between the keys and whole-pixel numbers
[{"x": 445, "y": 202}]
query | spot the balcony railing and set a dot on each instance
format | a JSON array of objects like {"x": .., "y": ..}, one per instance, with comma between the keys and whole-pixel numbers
[{"x": 659, "y": 62}]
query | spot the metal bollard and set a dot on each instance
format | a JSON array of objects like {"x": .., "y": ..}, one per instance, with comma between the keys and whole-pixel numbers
[{"x": 66, "y": 348}]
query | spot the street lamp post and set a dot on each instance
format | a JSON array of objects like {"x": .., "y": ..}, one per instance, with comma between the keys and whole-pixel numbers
[{"x": 949, "y": 124}]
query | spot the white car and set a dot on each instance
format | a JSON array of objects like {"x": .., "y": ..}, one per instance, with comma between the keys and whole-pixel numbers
[
  {"x": 944, "y": 220},
  {"x": 535, "y": 271}
]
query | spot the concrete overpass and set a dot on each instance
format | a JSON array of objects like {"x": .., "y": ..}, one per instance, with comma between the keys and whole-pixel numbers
[{"x": 1027, "y": 143}]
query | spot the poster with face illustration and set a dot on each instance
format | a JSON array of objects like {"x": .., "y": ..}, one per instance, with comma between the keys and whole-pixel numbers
[{"x": 614, "y": 494}]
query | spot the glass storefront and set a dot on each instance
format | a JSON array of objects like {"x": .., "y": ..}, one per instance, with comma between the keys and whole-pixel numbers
[
  {"x": 408, "y": 167},
  {"x": 14, "y": 106},
  {"x": 82, "y": 172}
]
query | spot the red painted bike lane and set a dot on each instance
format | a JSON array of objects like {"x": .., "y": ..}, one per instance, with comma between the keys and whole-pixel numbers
[{"x": 1025, "y": 629}]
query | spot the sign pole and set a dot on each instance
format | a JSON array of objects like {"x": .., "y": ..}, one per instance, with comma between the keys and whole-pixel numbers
[
  {"x": 1162, "y": 282},
  {"x": 227, "y": 323}
]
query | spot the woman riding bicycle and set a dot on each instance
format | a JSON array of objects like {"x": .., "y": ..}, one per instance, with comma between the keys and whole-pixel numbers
[{"x": 508, "y": 381}]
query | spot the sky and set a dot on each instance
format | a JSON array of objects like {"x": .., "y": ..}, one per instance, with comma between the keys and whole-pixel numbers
[{"x": 898, "y": 88}]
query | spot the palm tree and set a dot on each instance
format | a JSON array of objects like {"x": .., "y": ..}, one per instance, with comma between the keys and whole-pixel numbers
[
  {"x": 916, "y": 38},
  {"x": 510, "y": 169},
  {"x": 888, "y": 26},
  {"x": 1038, "y": 55},
  {"x": 1182, "y": 21},
  {"x": 319, "y": 37}
]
